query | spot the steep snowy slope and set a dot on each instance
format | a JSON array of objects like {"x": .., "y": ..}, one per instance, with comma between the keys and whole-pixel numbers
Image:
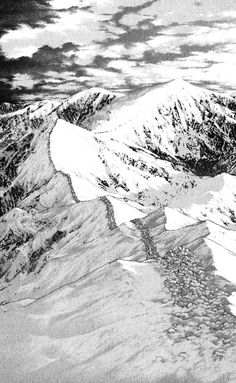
[
  {"x": 213, "y": 199},
  {"x": 180, "y": 123},
  {"x": 103, "y": 166},
  {"x": 106, "y": 166},
  {"x": 87, "y": 107},
  {"x": 117, "y": 238}
]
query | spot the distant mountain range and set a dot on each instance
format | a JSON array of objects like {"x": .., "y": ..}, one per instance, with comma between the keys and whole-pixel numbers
[{"x": 118, "y": 237}]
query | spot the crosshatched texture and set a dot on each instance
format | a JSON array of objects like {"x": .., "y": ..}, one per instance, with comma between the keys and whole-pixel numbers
[{"x": 117, "y": 203}]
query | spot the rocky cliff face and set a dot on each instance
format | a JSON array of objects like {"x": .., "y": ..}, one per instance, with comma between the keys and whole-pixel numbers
[{"x": 117, "y": 238}]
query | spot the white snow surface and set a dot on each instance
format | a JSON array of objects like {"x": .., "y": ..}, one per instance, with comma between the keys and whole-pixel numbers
[
  {"x": 211, "y": 199},
  {"x": 176, "y": 220},
  {"x": 75, "y": 152},
  {"x": 123, "y": 212},
  {"x": 232, "y": 300},
  {"x": 225, "y": 263}
]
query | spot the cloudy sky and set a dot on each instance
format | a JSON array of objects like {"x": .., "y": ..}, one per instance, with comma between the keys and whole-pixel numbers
[{"x": 54, "y": 48}]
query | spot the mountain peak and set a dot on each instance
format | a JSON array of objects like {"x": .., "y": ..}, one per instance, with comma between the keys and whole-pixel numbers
[
  {"x": 181, "y": 87},
  {"x": 180, "y": 83},
  {"x": 101, "y": 235}
]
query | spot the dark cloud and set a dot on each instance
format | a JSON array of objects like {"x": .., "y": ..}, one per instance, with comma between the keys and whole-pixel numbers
[
  {"x": 35, "y": 13},
  {"x": 213, "y": 23},
  {"x": 185, "y": 50},
  {"x": 7, "y": 93},
  {"x": 117, "y": 17},
  {"x": 144, "y": 30},
  {"x": 198, "y": 3},
  {"x": 188, "y": 50},
  {"x": 152, "y": 57},
  {"x": 141, "y": 33},
  {"x": 47, "y": 59},
  {"x": 61, "y": 59},
  {"x": 44, "y": 60},
  {"x": 100, "y": 61}
]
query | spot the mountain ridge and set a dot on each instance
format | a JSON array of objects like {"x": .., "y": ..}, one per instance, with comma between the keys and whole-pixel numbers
[{"x": 117, "y": 253}]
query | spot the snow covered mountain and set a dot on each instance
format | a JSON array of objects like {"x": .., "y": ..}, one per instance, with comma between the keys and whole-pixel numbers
[{"x": 118, "y": 237}]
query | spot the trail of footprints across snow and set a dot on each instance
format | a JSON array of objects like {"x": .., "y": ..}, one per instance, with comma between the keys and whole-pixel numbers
[
  {"x": 200, "y": 297},
  {"x": 203, "y": 299},
  {"x": 200, "y": 305},
  {"x": 150, "y": 248}
]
